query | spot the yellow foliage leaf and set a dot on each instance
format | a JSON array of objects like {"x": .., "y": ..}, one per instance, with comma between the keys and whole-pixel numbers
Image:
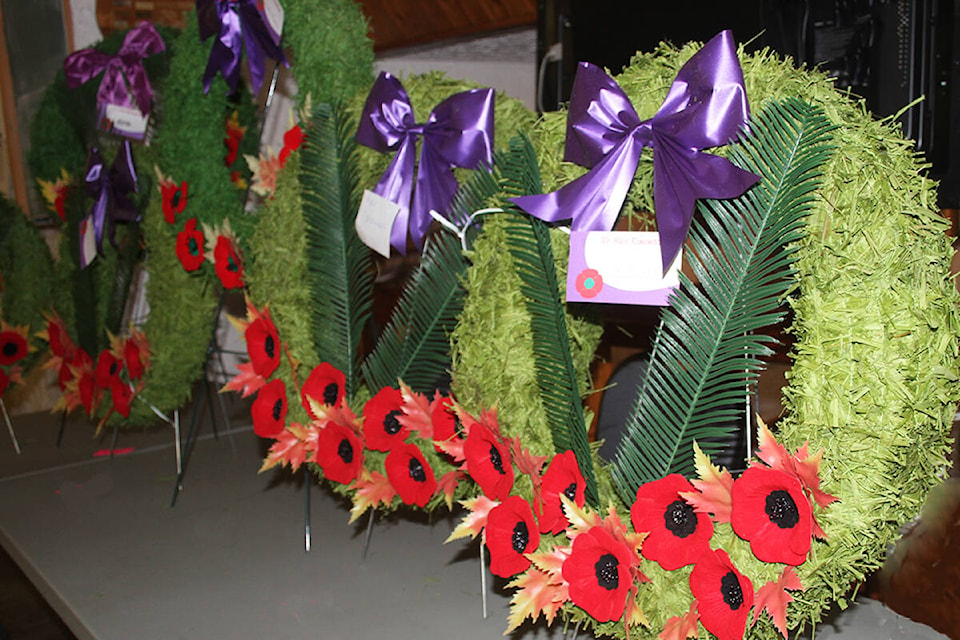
[
  {"x": 373, "y": 489},
  {"x": 474, "y": 522},
  {"x": 537, "y": 593}
]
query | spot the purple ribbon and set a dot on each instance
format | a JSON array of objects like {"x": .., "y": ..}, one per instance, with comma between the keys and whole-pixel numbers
[
  {"x": 706, "y": 107},
  {"x": 458, "y": 133},
  {"x": 109, "y": 189},
  {"x": 237, "y": 22},
  {"x": 123, "y": 73}
]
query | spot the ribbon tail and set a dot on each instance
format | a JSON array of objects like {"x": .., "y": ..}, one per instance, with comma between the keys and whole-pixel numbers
[
  {"x": 225, "y": 54},
  {"x": 259, "y": 44},
  {"x": 436, "y": 186},
  {"x": 396, "y": 185},
  {"x": 593, "y": 201}
]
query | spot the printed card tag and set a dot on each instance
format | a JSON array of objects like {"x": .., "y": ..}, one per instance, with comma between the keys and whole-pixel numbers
[
  {"x": 375, "y": 220},
  {"x": 123, "y": 121},
  {"x": 621, "y": 267},
  {"x": 273, "y": 13},
  {"x": 88, "y": 242}
]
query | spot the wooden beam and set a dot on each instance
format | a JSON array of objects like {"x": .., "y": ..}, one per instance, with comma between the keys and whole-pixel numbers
[{"x": 11, "y": 133}]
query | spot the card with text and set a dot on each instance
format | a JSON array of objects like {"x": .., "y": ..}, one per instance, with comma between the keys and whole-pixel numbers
[{"x": 619, "y": 267}]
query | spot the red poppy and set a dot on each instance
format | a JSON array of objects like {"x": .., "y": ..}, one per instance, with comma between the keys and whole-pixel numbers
[
  {"x": 190, "y": 246},
  {"x": 770, "y": 510},
  {"x": 60, "y": 204},
  {"x": 510, "y": 533},
  {"x": 561, "y": 477},
  {"x": 89, "y": 392},
  {"x": 122, "y": 395},
  {"x": 325, "y": 385},
  {"x": 339, "y": 453},
  {"x": 108, "y": 369},
  {"x": 60, "y": 343},
  {"x": 292, "y": 140},
  {"x": 263, "y": 345},
  {"x": 174, "y": 200},
  {"x": 410, "y": 474},
  {"x": 269, "y": 409},
  {"x": 134, "y": 357},
  {"x": 724, "y": 595},
  {"x": 598, "y": 571},
  {"x": 382, "y": 430},
  {"x": 677, "y": 535},
  {"x": 4, "y": 381},
  {"x": 80, "y": 362},
  {"x": 13, "y": 347},
  {"x": 488, "y": 462},
  {"x": 446, "y": 425},
  {"x": 226, "y": 262}
]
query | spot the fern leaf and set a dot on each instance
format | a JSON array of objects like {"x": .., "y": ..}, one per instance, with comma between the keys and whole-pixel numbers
[
  {"x": 415, "y": 345},
  {"x": 706, "y": 352},
  {"x": 529, "y": 244},
  {"x": 339, "y": 264}
]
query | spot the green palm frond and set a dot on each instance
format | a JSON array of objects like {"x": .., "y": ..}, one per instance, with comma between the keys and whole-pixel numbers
[
  {"x": 339, "y": 264},
  {"x": 706, "y": 352},
  {"x": 415, "y": 346},
  {"x": 529, "y": 244}
]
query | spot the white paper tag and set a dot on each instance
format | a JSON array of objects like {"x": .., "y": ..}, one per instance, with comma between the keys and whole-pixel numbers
[
  {"x": 123, "y": 121},
  {"x": 88, "y": 242},
  {"x": 273, "y": 12},
  {"x": 620, "y": 267},
  {"x": 375, "y": 221}
]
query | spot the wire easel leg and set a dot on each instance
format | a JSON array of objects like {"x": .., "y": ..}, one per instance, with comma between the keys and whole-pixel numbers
[
  {"x": 483, "y": 580},
  {"x": 367, "y": 535},
  {"x": 13, "y": 435},
  {"x": 63, "y": 424},
  {"x": 306, "y": 510}
]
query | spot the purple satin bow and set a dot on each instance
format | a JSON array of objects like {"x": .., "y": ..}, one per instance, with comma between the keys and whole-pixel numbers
[
  {"x": 123, "y": 73},
  {"x": 706, "y": 107},
  {"x": 237, "y": 22},
  {"x": 458, "y": 133},
  {"x": 109, "y": 189}
]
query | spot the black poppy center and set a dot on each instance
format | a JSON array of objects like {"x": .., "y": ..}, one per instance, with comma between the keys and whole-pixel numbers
[
  {"x": 606, "y": 571},
  {"x": 232, "y": 264},
  {"x": 679, "y": 519},
  {"x": 417, "y": 474},
  {"x": 496, "y": 460},
  {"x": 277, "y": 408},
  {"x": 175, "y": 200},
  {"x": 390, "y": 423},
  {"x": 268, "y": 346},
  {"x": 193, "y": 247},
  {"x": 731, "y": 591},
  {"x": 571, "y": 491},
  {"x": 520, "y": 537},
  {"x": 782, "y": 510},
  {"x": 330, "y": 393},
  {"x": 10, "y": 348},
  {"x": 113, "y": 368},
  {"x": 345, "y": 451},
  {"x": 457, "y": 425}
]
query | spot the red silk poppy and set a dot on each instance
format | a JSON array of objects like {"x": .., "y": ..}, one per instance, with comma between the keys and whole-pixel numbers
[
  {"x": 174, "y": 200},
  {"x": 598, "y": 571},
  {"x": 4, "y": 381},
  {"x": 561, "y": 477},
  {"x": 232, "y": 141},
  {"x": 446, "y": 425},
  {"x": 263, "y": 345},
  {"x": 190, "y": 246},
  {"x": 382, "y": 430},
  {"x": 292, "y": 140},
  {"x": 122, "y": 395},
  {"x": 108, "y": 369},
  {"x": 60, "y": 343},
  {"x": 325, "y": 385},
  {"x": 227, "y": 264},
  {"x": 410, "y": 474},
  {"x": 676, "y": 534},
  {"x": 339, "y": 453},
  {"x": 134, "y": 357},
  {"x": 89, "y": 392},
  {"x": 488, "y": 462},
  {"x": 13, "y": 347},
  {"x": 510, "y": 533},
  {"x": 269, "y": 409},
  {"x": 724, "y": 595},
  {"x": 770, "y": 510}
]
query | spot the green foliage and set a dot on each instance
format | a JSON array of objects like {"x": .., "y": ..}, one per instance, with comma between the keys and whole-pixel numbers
[
  {"x": 339, "y": 265},
  {"x": 706, "y": 352},
  {"x": 415, "y": 345},
  {"x": 528, "y": 240}
]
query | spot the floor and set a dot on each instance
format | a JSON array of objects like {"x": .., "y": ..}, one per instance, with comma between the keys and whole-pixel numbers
[{"x": 99, "y": 539}]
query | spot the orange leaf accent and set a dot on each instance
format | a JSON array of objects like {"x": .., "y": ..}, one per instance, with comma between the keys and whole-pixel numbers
[
  {"x": 681, "y": 627},
  {"x": 581, "y": 520},
  {"x": 373, "y": 489},
  {"x": 773, "y": 598},
  {"x": 289, "y": 449},
  {"x": 714, "y": 488},
  {"x": 447, "y": 485},
  {"x": 633, "y": 615},
  {"x": 452, "y": 447},
  {"x": 526, "y": 462},
  {"x": 246, "y": 382},
  {"x": 537, "y": 593},
  {"x": 474, "y": 522},
  {"x": 417, "y": 412}
]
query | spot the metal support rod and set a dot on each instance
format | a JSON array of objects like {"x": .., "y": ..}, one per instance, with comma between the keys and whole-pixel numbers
[
  {"x": 63, "y": 424},
  {"x": 306, "y": 510},
  {"x": 113, "y": 439},
  {"x": 6, "y": 418},
  {"x": 483, "y": 580},
  {"x": 367, "y": 535}
]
